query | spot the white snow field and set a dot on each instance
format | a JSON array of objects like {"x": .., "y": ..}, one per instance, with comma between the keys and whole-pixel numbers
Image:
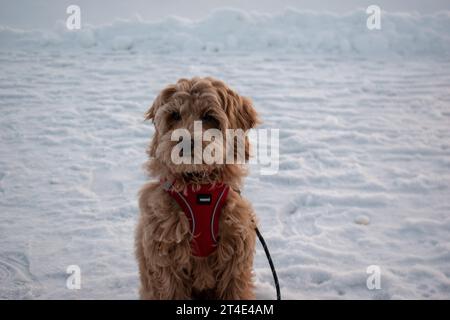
[{"x": 364, "y": 173}]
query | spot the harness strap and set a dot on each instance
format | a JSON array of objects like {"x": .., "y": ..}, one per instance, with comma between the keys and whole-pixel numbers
[{"x": 202, "y": 208}]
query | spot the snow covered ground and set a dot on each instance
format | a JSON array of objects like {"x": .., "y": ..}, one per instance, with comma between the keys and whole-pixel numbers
[{"x": 364, "y": 173}]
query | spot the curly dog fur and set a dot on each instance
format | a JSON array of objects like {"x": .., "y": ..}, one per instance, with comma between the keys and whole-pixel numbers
[{"x": 167, "y": 268}]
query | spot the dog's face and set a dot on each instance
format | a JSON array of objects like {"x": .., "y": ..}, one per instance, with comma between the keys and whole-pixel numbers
[{"x": 183, "y": 107}]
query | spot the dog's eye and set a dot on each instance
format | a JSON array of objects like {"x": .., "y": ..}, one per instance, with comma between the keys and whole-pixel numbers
[
  {"x": 175, "y": 115},
  {"x": 207, "y": 118}
]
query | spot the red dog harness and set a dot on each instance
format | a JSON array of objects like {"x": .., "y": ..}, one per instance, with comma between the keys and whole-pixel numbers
[{"x": 202, "y": 208}]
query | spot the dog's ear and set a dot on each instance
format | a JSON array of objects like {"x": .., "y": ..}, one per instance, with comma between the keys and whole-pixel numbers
[
  {"x": 239, "y": 109},
  {"x": 246, "y": 115},
  {"x": 160, "y": 100}
]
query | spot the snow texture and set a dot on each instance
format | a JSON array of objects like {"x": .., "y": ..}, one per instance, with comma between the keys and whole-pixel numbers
[
  {"x": 231, "y": 30},
  {"x": 364, "y": 149}
]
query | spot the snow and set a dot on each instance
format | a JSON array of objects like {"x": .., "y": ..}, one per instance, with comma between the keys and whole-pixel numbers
[
  {"x": 231, "y": 30},
  {"x": 364, "y": 149}
]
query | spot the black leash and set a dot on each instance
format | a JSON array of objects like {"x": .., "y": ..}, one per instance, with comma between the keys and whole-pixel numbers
[
  {"x": 274, "y": 273},
  {"x": 266, "y": 250}
]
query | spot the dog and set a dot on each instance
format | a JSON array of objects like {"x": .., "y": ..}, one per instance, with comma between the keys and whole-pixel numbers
[{"x": 171, "y": 265}]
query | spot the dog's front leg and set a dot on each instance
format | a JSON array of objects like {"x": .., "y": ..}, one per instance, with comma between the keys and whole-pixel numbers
[
  {"x": 169, "y": 272},
  {"x": 165, "y": 267},
  {"x": 235, "y": 252},
  {"x": 162, "y": 247}
]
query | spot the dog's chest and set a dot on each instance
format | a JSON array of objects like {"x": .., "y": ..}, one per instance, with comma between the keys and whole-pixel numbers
[{"x": 202, "y": 208}]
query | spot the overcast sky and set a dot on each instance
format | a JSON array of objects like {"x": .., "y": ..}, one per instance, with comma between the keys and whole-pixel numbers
[{"x": 44, "y": 13}]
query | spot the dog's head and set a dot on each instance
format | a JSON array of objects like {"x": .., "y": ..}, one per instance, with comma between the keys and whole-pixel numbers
[{"x": 179, "y": 111}]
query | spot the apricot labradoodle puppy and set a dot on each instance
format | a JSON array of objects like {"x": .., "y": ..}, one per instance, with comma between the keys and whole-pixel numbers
[{"x": 196, "y": 235}]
